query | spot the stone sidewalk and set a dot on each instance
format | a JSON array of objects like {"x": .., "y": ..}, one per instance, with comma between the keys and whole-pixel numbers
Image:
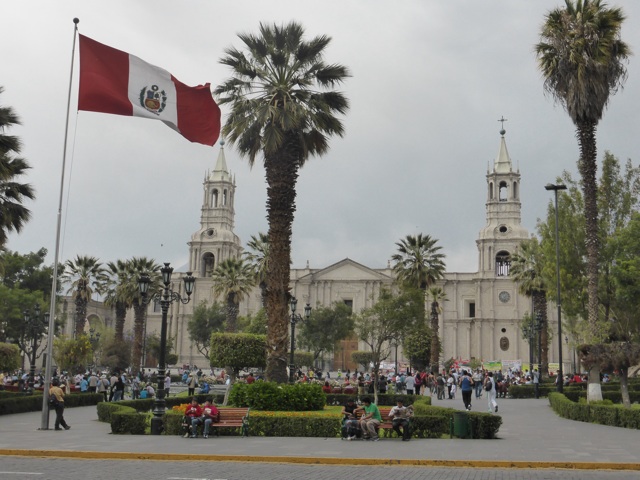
[{"x": 531, "y": 435}]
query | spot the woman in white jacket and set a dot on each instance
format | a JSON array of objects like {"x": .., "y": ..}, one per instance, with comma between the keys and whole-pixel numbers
[{"x": 490, "y": 388}]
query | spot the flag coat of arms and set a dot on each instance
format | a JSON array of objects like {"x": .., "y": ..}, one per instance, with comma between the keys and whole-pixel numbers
[{"x": 112, "y": 81}]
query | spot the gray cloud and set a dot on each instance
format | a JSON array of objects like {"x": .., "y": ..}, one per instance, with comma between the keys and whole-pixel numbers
[{"x": 430, "y": 80}]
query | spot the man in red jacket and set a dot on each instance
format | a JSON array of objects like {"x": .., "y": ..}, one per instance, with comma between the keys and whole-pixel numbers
[{"x": 194, "y": 412}]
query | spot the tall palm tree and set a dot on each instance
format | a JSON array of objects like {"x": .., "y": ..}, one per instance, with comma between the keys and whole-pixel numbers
[
  {"x": 526, "y": 270},
  {"x": 437, "y": 296},
  {"x": 259, "y": 259},
  {"x": 13, "y": 215},
  {"x": 233, "y": 279},
  {"x": 85, "y": 274},
  {"x": 582, "y": 60},
  {"x": 139, "y": 266},
  {"x": 117, "y": 295},
  {"x": 418, "y": 264},
  {"x": 282, "y": 107}
]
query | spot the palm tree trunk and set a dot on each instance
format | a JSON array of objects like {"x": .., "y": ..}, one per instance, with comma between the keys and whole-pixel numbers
[
  {"x": 282, "y": 175},
  {"x": 540, "y": 305},
  {"x": 435, "y": 338},
  {"x": 587, "y": 166},
  {"x": 139, "y": 313},
  {"x": 121, "y": 315},
  {"x": 81, "y": 316},
  {"x": 588, "y": 169},
  {"x": 232, "y": 315}
]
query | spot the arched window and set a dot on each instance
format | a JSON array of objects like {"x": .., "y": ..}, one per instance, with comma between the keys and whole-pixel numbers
[
  {"x": 214, "y": 198},
  {"x": 224, "y": 198},
  {"x": 503, "y": 262},
  {"x": 515, "y": 190},
  {"x": 490, "y": 190},
  {"x": 503, "y": 192},
  {"x": 208, "y": 264}
]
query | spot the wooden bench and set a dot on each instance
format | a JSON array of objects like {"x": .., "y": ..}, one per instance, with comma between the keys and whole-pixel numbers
[
  {"x": 233, "y": 418},
  {"x": 386, "y": 423}
]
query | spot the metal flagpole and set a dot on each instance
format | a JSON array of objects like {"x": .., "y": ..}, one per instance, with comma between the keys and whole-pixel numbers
[{"x": 54, "y": 284}]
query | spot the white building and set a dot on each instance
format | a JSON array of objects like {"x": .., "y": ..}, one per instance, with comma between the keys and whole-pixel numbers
[{"x": 480, "y": 320}]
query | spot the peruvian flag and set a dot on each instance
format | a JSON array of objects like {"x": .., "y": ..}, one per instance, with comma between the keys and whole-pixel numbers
[{"x": 112, "y": 81}]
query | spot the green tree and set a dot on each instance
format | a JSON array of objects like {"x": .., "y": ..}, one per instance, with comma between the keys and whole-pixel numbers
[
  {"x": 259, "y": 260},
  {"x": 237, "y": 351},
  {"x": 255, "y": 324},
  {"x": 152, "y": 345},
  {"x": 24, "y": 282},
  {"x": 204, "y": 321},
  {"x": 419, "y": 264},
  {"x": 526, "y": 271},
  {"x": 27, "y": 271},
  {"x": 85, "y": 275},
  {"x": 116, "y": 354},
  {"x": 9, "y": 357},
  {"x": 233, "y": 279},
  {"x": 582, "y": 60},
  {"x": 618, "y": 189},
  {"x": 283, "y": 107},
  {"x": 625, "y": 327},
  {"x": 417, "y": 345},
  {"x": 325, "y": 328},
  {"x": 391, "y": 317},
  {"x": 362, "y": 357},
  {"x": 13, "y": 214},
  {"x": 72, "y": 354}
]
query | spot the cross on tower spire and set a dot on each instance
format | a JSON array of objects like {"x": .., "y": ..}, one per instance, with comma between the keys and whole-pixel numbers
[{"x": 502, "y": 120}]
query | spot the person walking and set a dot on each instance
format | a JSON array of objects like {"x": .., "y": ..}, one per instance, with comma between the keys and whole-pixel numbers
[
  {"x": 192, "y": 384},
  {"x": 466, "y": 387},
  {"x": 490, "y": 388},
  {"x": 477, "y": 382},
  {"x": 55, "y": 392}
]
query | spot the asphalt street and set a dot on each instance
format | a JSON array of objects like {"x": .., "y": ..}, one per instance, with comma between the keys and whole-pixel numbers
[{"x": 18, "y": 468}]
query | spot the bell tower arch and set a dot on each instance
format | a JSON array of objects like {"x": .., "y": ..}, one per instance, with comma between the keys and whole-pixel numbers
[
  {"x": 501, "y": 236},
  {"x": 215, "y": 240}
]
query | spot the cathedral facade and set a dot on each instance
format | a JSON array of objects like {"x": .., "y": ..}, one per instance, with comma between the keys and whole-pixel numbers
[{"x": 480, "y": 321}]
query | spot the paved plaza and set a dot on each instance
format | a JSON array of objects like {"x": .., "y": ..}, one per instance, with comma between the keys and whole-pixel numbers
[{"x": 531, "y": 436}]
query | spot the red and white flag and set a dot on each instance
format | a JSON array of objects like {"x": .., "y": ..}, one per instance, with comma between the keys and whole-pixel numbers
[{"x": 112, "y": 81}]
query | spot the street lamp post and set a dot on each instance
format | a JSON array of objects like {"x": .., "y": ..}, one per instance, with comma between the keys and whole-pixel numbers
[
  {"x": 166, "y": 297},
  {"x": 94, "y": 340},
  {"x": 295, "y": 318},
  {"x": 560, "y": 375},
  {"x": 538, "y": 326},
  {"x": 35, "y": 326}
]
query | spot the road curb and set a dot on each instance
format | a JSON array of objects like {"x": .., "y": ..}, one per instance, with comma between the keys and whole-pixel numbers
[{"x": 185, "y": 457}]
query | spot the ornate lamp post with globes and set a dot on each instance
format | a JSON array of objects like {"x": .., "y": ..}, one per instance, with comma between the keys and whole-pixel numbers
[
  {"x": 295, "y": 318},
  {"x": 165, "y": 297}
]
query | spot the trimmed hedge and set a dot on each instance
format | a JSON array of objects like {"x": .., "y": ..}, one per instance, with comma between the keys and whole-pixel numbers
[
  {"x": 612, "y": 415},
  {"x": 272, "y": 396},
  {"x": 384, "y": 400},
  {"x": 21, "y": 403},
  {"x": 123, "y": 419},
  {"x": 483, "y": 425},
  {"x": 609, "y": 390}
]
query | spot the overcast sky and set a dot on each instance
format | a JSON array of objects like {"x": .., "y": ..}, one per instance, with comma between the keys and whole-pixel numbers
[{"x": 430, "y": 81}]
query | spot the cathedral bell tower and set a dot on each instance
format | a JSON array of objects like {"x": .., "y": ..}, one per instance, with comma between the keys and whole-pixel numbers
[
  {"x": 501, "y": 236},
  {"x": 215, "y": 241}
]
